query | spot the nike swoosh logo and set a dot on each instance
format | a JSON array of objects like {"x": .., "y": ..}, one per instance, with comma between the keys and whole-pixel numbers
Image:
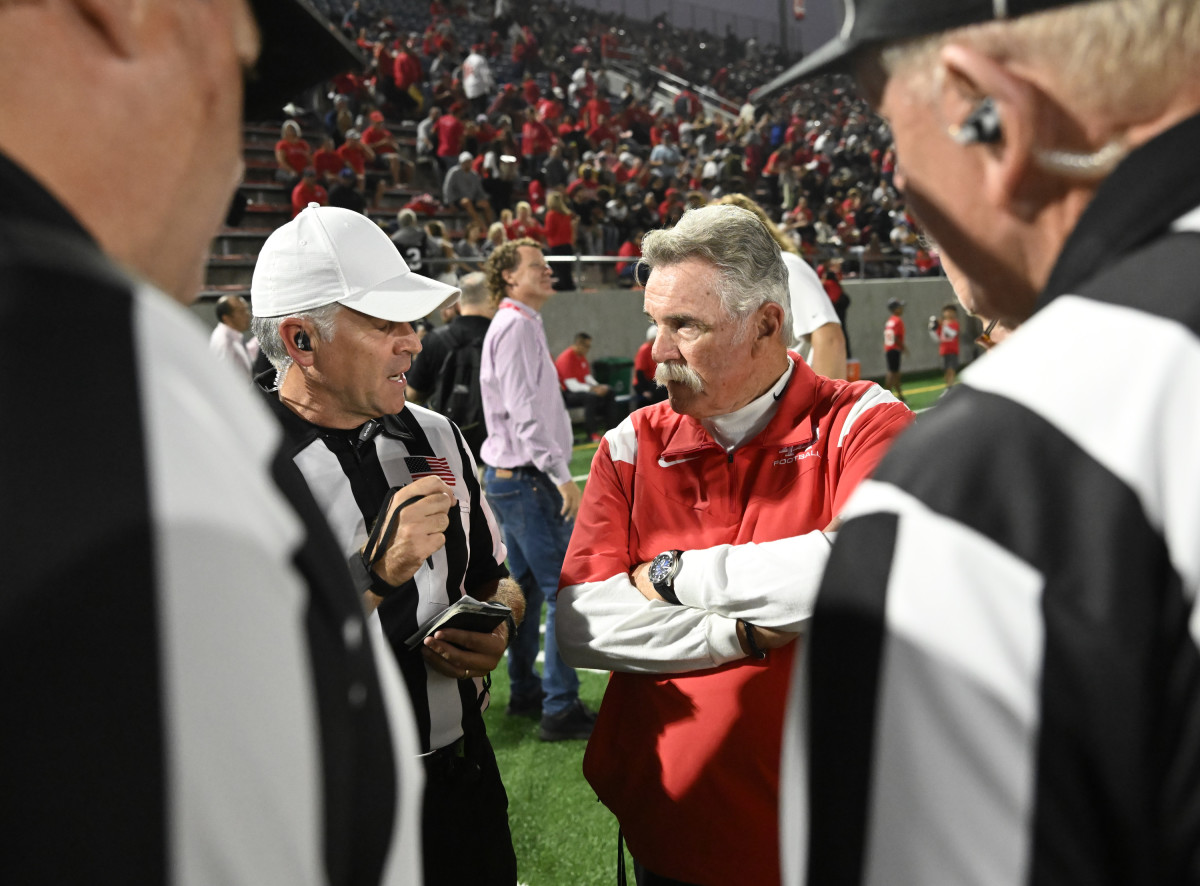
[{"x": 662, "y": 463}]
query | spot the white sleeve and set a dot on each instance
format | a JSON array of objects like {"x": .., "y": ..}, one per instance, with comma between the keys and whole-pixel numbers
[
  {"x": 771, "y": 584},
  {"x": 575, "y": 385},
  {"x": 811, "y": 307},
  {"x": 610, "y": 626}
]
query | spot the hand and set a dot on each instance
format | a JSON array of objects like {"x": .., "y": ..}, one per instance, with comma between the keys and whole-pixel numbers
[
  {"x": 640, "y": 577},
  {"x": 600, "y": 390},
  {"x": 420, "y": 531},
  {"x": 767, "y": 638},
  {"x": 464, "y": 654},
  {"x": 572, "y": 495}
]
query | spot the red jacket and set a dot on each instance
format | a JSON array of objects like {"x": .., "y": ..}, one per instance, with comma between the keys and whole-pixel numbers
[{"x": 689, "y": 762}]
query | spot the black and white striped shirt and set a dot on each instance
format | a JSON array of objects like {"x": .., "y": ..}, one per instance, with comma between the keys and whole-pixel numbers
[
  {"x": 1004, "y": 682},
  {"x": 349, "y": 473},
  {"x": 190, "y": 693}
]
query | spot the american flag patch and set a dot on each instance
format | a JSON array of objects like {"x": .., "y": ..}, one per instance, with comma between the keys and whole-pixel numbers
[{"x": 424, "y": 466}]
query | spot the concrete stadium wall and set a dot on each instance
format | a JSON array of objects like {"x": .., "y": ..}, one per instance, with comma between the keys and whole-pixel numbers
[{"x": 617, "y": 325}]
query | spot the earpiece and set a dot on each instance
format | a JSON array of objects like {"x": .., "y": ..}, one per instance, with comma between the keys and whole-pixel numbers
[
  {"x": 302, "y": 342},
  {"x": 982, "y": 126}
]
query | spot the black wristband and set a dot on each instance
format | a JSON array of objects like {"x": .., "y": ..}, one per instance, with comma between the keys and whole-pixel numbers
[
  {"x": 381, "y": 588},
  {"x": 666, "y": 590},
  {"x": 751, "y": 641}
]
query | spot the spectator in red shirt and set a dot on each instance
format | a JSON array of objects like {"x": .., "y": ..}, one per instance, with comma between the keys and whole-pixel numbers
[
  {"x": 536, "y": 139},
  {"x": 894, "y": 346},
  {"x": 292, "y": 153},
  {"x": 580, "y": 388},
  {"x": 525, "y": 225},
  {"x": 645, "y": 389},
  {"x": 327, "y": 162},
  {"x": 450, "y": 133},
  {"x": 356, "y": 155},
  {"x": 631, "y": 248},
  {"x": 380, "y": 140},
  {"x": 602, "y": 132},
  {"x": 309, "y": 190},
  {"x": 560, "y": 239}
]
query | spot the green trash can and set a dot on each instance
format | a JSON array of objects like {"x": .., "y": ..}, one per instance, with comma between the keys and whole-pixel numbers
[{"x": 616, "y": 372}]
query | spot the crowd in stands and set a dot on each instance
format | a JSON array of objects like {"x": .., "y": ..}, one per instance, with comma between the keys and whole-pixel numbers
[{"x": 543, "y": 120}]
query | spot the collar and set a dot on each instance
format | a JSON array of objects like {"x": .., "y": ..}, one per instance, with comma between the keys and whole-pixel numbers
[
  {"x": 1137, "y": 203},
  {"x": 792, "y": 397},
  {"x": 734, "y": 429},
  {"x": 299, "y": 432},
  {"x": 520, "y": 306},
  {"x": 27, "y": 200}
]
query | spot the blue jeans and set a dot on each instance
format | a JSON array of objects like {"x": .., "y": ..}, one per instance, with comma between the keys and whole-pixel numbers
[{"x": 536, "y": 535}]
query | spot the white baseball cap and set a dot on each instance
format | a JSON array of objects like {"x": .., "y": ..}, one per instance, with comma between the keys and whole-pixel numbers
[{"x": 328, "y": 255}]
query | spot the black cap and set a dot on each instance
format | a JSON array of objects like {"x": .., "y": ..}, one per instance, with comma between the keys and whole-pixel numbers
[
  {"x": 869, "y": 22},
  {"x": 300, "y": 48}
]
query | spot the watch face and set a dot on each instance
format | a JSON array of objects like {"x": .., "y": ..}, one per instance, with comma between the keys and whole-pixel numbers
[{"x": 659, "y": 567}]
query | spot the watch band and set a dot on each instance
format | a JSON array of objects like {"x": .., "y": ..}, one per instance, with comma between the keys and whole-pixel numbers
[{"x": 756, "y": 651}]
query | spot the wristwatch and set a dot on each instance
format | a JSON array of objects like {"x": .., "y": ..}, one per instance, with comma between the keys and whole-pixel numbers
[{"x": 662, "y": 572}]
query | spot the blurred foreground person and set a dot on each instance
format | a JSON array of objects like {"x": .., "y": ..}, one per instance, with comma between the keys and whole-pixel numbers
[
  {"x": 1004, "y": 681},
  {"x": 190, "y": 693}
]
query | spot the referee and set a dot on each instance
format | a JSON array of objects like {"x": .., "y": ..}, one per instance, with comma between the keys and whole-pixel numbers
[
  {"x": 333, "y": 308},
  {"x": 1005, "y": 677}
]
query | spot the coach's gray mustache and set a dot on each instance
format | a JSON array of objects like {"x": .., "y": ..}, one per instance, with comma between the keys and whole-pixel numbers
[{"x": 679, "y": 373}]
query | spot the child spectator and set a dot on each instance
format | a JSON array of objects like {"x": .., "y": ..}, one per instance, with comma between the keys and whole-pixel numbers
[
  {"x": 945, "y": 333},
  {"x": 894, "y": 346}
]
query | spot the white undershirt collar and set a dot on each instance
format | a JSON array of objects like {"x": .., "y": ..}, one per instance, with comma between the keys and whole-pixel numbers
[{"x": 732, "y": 430}]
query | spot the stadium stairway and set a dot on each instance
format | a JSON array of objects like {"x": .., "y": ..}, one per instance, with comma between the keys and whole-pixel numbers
[{"x": 234, "y": 250}]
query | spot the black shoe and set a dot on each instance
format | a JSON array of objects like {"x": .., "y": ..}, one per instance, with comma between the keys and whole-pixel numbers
[
  {"x": 526, "y": 705},
  {"x": 574, "y": 723}
]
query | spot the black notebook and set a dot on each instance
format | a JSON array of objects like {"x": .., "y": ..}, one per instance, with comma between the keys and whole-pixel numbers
[{"x": 464, "y": 614}]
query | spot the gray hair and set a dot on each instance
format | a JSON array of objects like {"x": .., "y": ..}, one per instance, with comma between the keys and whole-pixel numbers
[
  {"x": 323, "y": 319},
  {"x": 750, "y": 268},
  {"x": 406, "y": 218},
  {"x": 474, "y": 288}
]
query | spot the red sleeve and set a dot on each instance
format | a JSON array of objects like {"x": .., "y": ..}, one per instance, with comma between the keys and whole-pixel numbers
[
  {"x": 871, "y": 435},
  {"x": 599, "y": 546}
]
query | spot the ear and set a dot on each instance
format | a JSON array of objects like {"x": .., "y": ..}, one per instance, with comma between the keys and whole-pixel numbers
[
  {"x": 118, "y": 23},
  {"x": 287, "y": 334},
  {"x": 769, "y": 322},
  {"x": 1008, "y": 162}
]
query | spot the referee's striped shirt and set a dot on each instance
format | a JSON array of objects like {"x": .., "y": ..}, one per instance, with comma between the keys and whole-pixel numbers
[
  {"x": 189, "y": 693},
  {"x": 1004, "y": 682},
  {"x": 350, "y": 473}
]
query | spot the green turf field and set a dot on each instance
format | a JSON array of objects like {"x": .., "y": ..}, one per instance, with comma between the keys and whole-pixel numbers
[{"x": 563, "y": 836}]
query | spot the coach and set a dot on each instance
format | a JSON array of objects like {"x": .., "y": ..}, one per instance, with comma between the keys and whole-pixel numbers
[
  {"x": 1005, "y": 679},
  {"x": 334, "y": 303},
  {"x": 698, "y": 548}
]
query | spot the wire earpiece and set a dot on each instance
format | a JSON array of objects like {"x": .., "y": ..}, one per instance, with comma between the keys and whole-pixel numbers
[
  {"x": 982, "y": 126},
  {"x": 302, "y": 341}
]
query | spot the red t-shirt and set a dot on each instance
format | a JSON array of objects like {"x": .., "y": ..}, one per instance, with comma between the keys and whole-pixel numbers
[
  {"x": 377, "y": 135},
  {"x": 516, "y": 229},
  {"x": 355, "y": 157},
  {"x": 558, "y": 229},
  {"x": 893, "y": 333},
  {"x": 571, "y": 364},
  {"x": 327, "y": 162},
  {"x": 297, "y": 153},
  {"x": 304, "y": 193},
  {"x": 628, "y": 249},
  {"x": 947, "y": 338},
  {"x": 406, "y": 70},
  {"x": 643, "y": 360},
  {"x": 450, "y": 132}
]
